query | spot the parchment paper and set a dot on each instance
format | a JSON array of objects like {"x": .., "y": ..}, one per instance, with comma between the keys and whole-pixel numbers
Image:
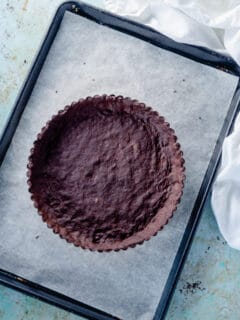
[{"x": 88, "y": 59}]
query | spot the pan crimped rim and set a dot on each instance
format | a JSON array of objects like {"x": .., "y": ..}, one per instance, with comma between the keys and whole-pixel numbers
[{"x": 163, "y": 214}]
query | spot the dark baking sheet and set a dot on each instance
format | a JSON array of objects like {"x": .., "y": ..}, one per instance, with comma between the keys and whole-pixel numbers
[{"x": 198, "y": 54}]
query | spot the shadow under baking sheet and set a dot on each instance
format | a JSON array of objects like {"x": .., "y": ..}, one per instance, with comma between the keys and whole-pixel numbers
[{"x": 87, "y": 59}]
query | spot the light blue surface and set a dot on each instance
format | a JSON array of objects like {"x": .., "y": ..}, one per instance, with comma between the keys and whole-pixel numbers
[
  {"x": 209, "y": 287},
  {"x": 14, "y": 305}
]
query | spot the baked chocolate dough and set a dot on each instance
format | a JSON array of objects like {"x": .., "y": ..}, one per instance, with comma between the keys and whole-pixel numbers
[{"x": 106, "y": 173}]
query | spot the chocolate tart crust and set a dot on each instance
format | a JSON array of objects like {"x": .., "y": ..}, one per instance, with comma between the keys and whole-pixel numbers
[{"x": 106, "y": 173}]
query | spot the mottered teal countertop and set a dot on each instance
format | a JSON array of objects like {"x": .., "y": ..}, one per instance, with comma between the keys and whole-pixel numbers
[{"x": 209, "y": 286}]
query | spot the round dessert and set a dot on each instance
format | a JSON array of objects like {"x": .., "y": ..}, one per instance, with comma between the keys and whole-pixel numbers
[{"x": 106, "y": 173}]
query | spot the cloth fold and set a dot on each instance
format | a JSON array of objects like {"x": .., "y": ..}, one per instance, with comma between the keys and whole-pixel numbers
[
  {"x": 213, "y": 24},
  {"x": 226, "y": 190}
]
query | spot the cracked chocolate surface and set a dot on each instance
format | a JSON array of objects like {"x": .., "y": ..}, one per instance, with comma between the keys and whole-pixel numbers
[{"x": 103, "y": 170}]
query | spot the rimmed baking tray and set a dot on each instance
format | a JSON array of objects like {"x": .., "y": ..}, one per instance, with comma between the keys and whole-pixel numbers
[{"x": 102, "y": 52}]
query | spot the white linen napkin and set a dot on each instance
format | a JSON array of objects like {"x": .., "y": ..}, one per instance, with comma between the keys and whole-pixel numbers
[
  {"x": 226, "y": 189},
  {"x": 214, "y": 24}
]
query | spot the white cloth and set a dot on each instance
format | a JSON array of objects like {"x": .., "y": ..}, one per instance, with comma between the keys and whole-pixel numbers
[
  {"x": 214, "y": 24},
  {"x": 226, "y": 190}
]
